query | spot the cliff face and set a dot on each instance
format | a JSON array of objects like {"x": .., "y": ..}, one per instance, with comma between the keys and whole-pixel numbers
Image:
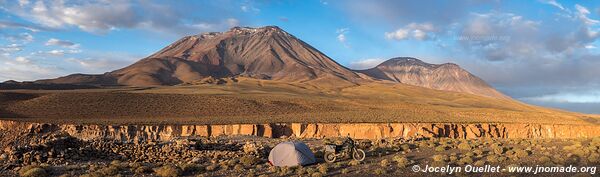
[{"x": 302, "y": 130}]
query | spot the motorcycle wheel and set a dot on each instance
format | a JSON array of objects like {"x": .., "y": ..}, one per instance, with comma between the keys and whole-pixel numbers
[
  {"x": 329, "y": 157},
  {"x": 358, "y": 155}
]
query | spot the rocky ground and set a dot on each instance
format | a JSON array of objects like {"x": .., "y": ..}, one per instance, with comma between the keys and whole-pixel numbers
[{"x": 59, "y": 154}]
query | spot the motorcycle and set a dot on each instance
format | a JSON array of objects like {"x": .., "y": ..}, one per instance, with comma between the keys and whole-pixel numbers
[{"x": 349, "y": 146}]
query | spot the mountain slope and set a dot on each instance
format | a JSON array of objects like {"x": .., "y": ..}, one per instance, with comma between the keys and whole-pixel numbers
[
  {"x": 449, "y": 77},
  {"x": 265, "y": 53}
]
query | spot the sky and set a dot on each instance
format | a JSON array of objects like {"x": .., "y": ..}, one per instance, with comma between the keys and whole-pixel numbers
[{"x": 543, "y": 52}]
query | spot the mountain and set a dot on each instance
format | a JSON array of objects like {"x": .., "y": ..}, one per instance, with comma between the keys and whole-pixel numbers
[
  {"x": 448, "y": 76},
  {"x": 265, "y": 53},
  {"x": 270, "y": 53}
]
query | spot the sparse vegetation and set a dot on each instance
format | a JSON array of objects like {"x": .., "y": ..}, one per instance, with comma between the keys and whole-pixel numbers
[
  {"x": 384, "y": 163},
  {"x": 464, "y": 146},
  {"x": 216, "y": 104},
  {"x": 168, "y": 171},
  {"x": 379, "y": 171},
  {"x": 109, "y": 171},
  {"x": 440, "y": 148},
  {"x": 401, "y": 161},
  {"x": 142, "y": 170},
  {"x": 33, "y": 171},
  {"x": 249, "y": 160},
  {"x": 212, "y": 167},
  {"x": 439, "y": 158},
  {"x": 323, "y": 168},
  {"x": 191, "y": 168}
]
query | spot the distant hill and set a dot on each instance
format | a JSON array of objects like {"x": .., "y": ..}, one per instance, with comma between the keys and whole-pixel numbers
[{"x": 449, "y": 76}]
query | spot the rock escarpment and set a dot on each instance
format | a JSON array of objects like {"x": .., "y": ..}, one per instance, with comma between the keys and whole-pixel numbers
[{"x": 136, "y": 133}]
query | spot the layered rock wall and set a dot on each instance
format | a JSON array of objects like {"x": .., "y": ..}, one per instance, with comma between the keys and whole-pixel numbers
[{"x": 310, "y": 130}]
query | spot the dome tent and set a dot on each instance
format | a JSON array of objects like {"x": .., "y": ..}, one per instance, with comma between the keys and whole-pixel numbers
[{"x": 291, "y": 153}]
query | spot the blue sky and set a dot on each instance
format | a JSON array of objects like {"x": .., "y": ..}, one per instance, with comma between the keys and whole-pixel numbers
[{"x": 544, "y": 52}]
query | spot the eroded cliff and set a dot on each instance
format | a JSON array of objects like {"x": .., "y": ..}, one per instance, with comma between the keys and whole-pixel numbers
[{"x": 310, "y": 130}]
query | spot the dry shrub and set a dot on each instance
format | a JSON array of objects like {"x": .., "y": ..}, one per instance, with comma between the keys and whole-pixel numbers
[
  {"x": 33, "y": 172},
  {"x": 498, "y": 150},
  {"x": 401, "y": 160},
  {"x": 544, "y": 159},
  {"x": 439, "y": 158},
  {"x": 465, "y": 160},
  {"x": 168, "y": 171},
  {"x": 249, "y": 160},
  {"x": 492, "y": 158},
  {"x": 300, "y": 171},
  {"x": 405, "y": 147},
  {"x": 384, "y": 163},
  {"x": 143, "y": 170},
  {"x": 323, "y": 168},
  {"x": 594, "y": 158},
  {"x": 316, "y": 174},
  {"x": 109, "y": 171},
  {"x": 238, "y": 167},
  {"x": 440, "y": 148},
  {"x": 379, "y": 171},
  {"x": 212, "y": 167},
  {"x": 478, "y": 152},
  {"x": 520, "y": 153},
  {"x": 479, "y": 163},
  {"x": 191, "y": 168},
  {"x": 354, "y": 163},
  {"x": 464, "y": 146}
]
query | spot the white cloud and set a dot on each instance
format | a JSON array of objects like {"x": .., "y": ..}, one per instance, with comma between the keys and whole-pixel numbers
[
  {"x": 11, "y": 48},
  {"x": 88, "y": 16},
  {"x": 23, "y": 60},
  {"x": 101, "y": 64},
  {"x": 23, "y": 2},
  {"x": 366, "y": 63},
  {"x": 24, "y": 69},
  {"x": 228, "y": 23},
  {"x": 399, "y": 34},
  {"x": 56, "y": 52},
  {"x": 418, "y": 31},
  {"x": 568, "y": 97},
  {"x": 62, "y": 43},
  {"x": 100, "y": 17},
  {"x": 21, "y": 38},
  {"x": 249, "y": 8},
  {"x": 497, "y": 36},
  {"x": 341, "y": 36},
  {"x": 9, "y": 24},
  {"x": 554, "y": 3},
  {"x": 582, "y": 13}
]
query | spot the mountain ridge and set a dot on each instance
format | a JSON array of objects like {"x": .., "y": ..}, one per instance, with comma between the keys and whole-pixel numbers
[
  {"x": 271, "y": 53},
  {"x": 447, "y": 76}
]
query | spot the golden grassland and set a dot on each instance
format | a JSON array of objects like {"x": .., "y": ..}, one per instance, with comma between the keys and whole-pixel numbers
[{"x": 263, "y": 101}]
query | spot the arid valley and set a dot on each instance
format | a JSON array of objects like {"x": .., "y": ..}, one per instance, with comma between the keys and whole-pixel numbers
[{"x": 221, "y": 103}]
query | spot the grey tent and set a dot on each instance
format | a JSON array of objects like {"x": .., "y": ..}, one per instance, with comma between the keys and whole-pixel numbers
[{"x": 291, "y": 153}]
